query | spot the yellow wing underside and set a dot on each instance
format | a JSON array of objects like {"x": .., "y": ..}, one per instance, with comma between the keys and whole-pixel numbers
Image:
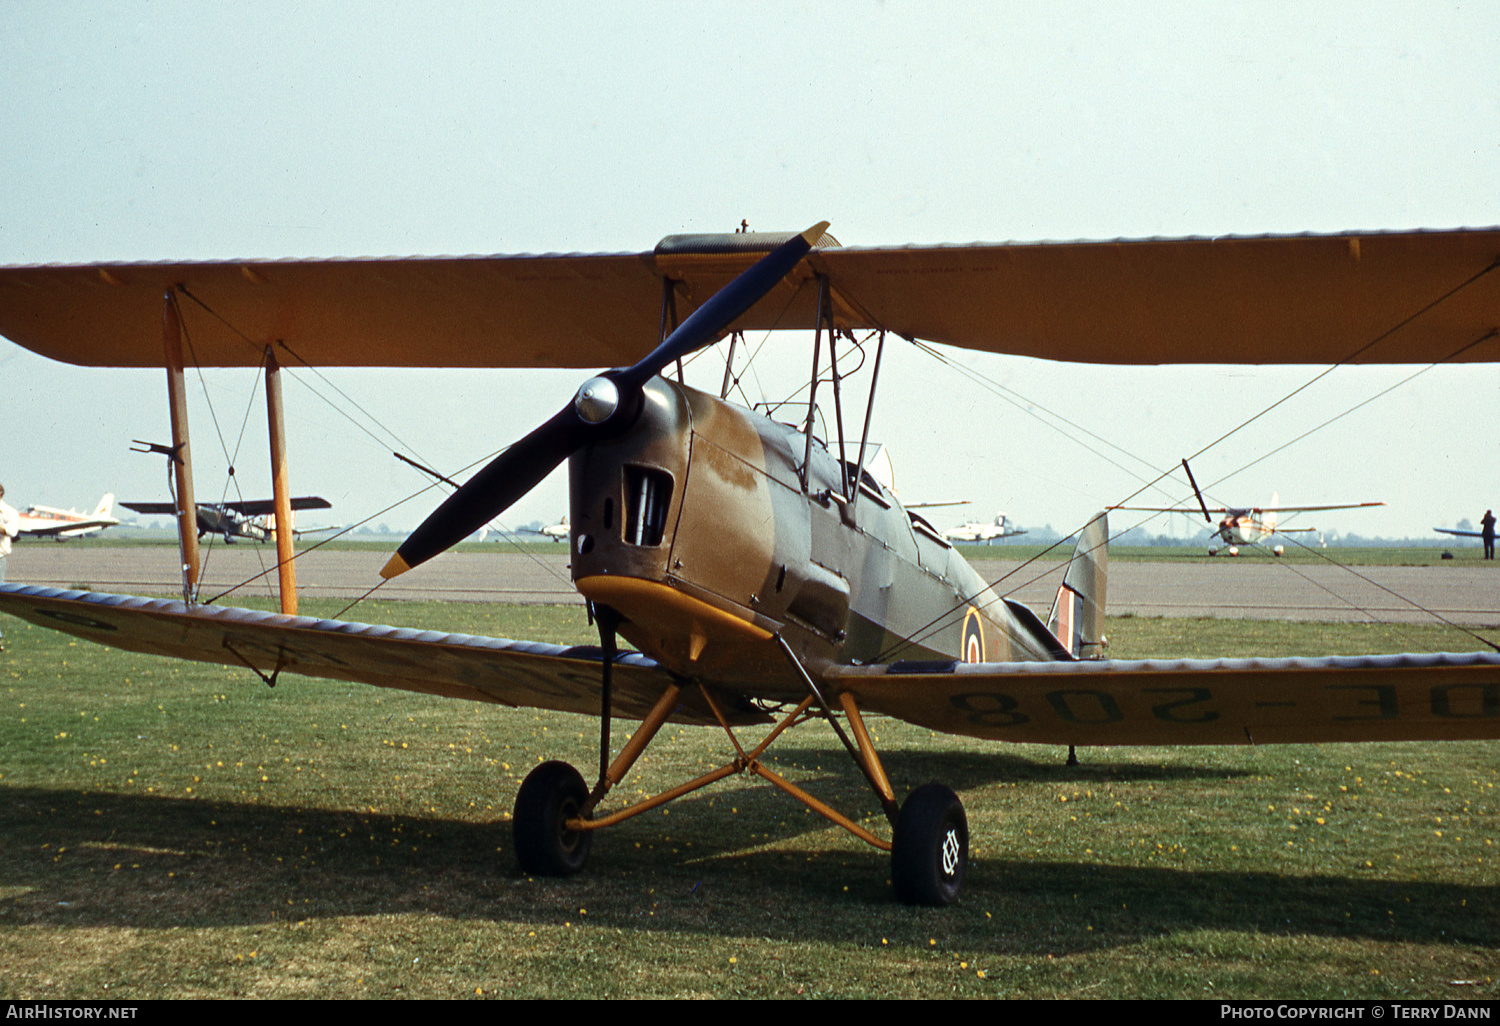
[
  {"x": 498, "y": 670},
  {"x": 1397, "y": 297},
  {"x": 1429, "y": 697},
  {"x": 1245, "y": 701}
]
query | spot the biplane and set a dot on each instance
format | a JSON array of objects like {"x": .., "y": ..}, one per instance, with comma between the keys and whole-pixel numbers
[
  {"x": 246, "y": 518},
  {"x": 765, "y": 578},
  {"x": 63, "y": 524}
]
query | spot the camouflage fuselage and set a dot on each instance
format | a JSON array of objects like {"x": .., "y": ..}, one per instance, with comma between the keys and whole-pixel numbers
[{"x": 696, "y": 527}]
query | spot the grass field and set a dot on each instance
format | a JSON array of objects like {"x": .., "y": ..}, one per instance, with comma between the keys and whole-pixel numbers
[{"x": 172, "y": 830}]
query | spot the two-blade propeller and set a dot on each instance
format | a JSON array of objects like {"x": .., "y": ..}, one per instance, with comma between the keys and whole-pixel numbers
[{"x": 603, "y": 407}]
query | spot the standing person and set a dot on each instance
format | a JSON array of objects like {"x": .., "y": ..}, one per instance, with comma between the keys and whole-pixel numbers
[
  {"x": 1486, "y": 531},
  {"x": 10, "y": 526}
]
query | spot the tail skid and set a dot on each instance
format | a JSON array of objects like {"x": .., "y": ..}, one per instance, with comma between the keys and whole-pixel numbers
[{"x": 1077, "y": 618}]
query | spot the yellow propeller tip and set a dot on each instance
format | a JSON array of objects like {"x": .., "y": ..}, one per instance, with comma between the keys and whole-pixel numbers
[
  {"x": 395, "y": 568},
  {"x": 813, "y": 234}
]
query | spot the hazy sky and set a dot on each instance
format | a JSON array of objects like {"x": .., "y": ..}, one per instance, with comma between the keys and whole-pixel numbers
[{"x": 140, "y": 131}]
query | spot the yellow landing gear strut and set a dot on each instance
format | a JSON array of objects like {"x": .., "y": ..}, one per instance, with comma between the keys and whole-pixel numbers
[{"x": 555, "y": 813}]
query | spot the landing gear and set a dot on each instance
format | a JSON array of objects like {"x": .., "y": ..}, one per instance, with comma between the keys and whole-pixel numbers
[
  {"x": 556, "y": 814},
  {"x": 930, "y": 847},
  {"x": 551, "y": 794}
]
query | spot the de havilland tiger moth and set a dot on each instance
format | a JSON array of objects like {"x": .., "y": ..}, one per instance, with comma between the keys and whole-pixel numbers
[{"x": 764, "y": 577}]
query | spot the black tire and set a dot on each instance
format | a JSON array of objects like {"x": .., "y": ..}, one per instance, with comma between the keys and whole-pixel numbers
[
  {"x": 930, "y": 848},
  {"x": 550, "y": 795}
]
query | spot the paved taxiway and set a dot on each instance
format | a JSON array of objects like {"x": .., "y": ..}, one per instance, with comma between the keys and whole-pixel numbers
[{"x": 1467, "y": 593}]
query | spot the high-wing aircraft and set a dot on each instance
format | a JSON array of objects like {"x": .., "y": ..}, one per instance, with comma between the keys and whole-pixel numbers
[
  {"x": 62, "y": 524},
  {"x": 765, "y": 577},
  {"x": 245, "y": 519},
  {"x": 1249, "y": 526},
  {"x": 981, "y": 532}
]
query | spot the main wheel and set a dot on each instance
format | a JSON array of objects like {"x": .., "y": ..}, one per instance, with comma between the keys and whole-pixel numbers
[
  {"x": 930, "y": 848},
  {"x": 551, "y": 794}
]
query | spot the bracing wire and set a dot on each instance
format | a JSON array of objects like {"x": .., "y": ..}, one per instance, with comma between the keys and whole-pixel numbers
[
  {"x": 266, "y": 571},
  {"x": 938, "y": 623}
]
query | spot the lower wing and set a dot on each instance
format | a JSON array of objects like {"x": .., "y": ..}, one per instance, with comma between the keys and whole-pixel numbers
[
  {"x": 515, "y": 673},
  {"x": 1192, "y": 701}
]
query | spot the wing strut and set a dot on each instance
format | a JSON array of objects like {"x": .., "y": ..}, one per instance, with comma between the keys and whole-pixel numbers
[
  {"x": 187, "y": 509},
  {"x": 286, "y": 568},
  {"x": 864, "y": 438},
  {"x": 812, "y": 388},
  {"x": 1196, "y": 492}
]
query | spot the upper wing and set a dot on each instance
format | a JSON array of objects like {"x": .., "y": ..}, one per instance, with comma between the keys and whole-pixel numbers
[
  {"x": 1193, "y": 701},
  {"x": 1397, "y": 297},
  {"x": 1258, "y": 509},
  {"x": 249, "y": 507},
  {"x": 1461, "y": 534},
  {"x": 1315, "y": 509},
  {"x": 517, "y": 673},
  {"x": 265, "y": 507}
]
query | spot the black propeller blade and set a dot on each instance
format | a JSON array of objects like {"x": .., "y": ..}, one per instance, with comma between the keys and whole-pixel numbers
[{"x": 603, "y": 406}]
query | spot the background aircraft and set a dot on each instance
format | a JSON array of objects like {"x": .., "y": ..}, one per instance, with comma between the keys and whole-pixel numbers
[
  {"x": 979, "y": 532},
  {"x": 1458, "y": 533},
  {"x": 62, "y": 524},
  {"x": 252, "y": 519},
  {"x": 1249, "y": 526},
  {"x": 552, "y": 532}
]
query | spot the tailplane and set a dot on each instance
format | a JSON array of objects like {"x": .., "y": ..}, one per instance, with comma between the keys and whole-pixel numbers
[{"x": 1077, "y": 619}]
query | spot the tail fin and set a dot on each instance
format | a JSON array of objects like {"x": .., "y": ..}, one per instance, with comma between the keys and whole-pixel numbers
[
  {"x": 1077, "y": 618},
  {"x": 106, "y": 505}
]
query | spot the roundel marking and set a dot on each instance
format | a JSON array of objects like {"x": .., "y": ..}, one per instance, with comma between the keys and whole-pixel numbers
[{"x": 973, "y": 641}]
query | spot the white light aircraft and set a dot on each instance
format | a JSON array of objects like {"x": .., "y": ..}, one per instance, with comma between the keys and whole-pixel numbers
[
  {"x": 979, "y": 532},
  {"x": 552, "y": 532},
  {"x": 62, "y": 524},
  {"x": 1249, "y": 526}
]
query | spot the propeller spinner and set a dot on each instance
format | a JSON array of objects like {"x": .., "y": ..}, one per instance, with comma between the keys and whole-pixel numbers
[{"x": 603, "y": 406}]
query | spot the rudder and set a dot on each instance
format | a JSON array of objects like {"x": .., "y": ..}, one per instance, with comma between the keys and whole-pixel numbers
[{"x": 1077, "y": 618}]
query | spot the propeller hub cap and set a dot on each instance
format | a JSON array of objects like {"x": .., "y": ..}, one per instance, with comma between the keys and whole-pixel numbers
[{"x": 597, "y": 400}]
